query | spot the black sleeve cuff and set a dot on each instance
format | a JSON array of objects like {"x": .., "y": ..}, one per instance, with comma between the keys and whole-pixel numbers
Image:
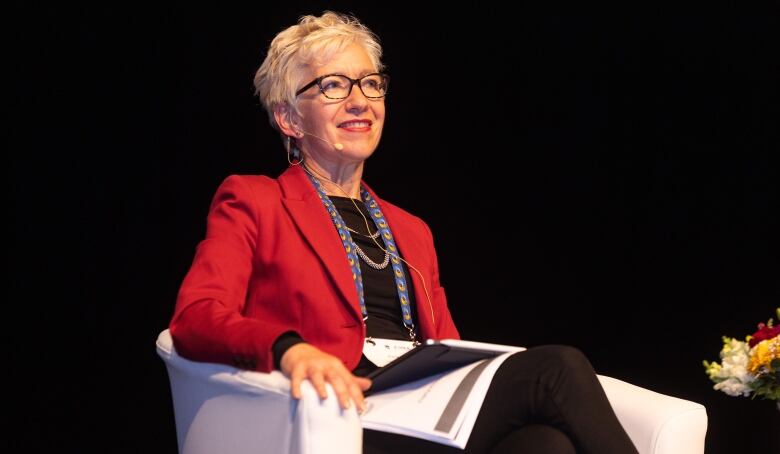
[{"x": 282, "y": 344}]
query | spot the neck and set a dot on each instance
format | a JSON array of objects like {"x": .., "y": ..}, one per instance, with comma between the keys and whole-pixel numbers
[{"x": 337, "y": 179}]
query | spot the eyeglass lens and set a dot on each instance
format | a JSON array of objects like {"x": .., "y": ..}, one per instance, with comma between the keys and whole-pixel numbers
[{"x": 338, "y": 87}]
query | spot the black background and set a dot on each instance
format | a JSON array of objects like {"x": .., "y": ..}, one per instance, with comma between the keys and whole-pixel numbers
[{"x": 606, "y": 180}]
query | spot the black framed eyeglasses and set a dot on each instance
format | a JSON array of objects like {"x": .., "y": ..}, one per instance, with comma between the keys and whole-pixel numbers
[{"x": 339, "y": 86}]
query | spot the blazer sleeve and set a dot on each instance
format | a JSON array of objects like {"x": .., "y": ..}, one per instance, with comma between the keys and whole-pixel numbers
[{"x": 208, "y": 322}]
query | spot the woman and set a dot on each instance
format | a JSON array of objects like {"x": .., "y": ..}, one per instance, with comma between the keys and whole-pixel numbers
[{"x": 306, "y": 273}]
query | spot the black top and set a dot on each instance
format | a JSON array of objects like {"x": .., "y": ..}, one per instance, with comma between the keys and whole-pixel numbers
[
  {"x": 381, "y": 296},
  {"x": 385, "y": 319}
]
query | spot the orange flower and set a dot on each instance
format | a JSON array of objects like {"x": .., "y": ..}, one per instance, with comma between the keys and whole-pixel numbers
[{"x": 762, "y": 355}]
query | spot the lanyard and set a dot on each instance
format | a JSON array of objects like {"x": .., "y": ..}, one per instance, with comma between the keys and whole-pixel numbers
[{"x": 354, "y": 263}]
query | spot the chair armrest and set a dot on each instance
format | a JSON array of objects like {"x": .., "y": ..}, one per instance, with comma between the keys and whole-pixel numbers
[
  {"x": 323, "y": 426},
  {"x": 219, "y": 408},
  {"x": 657, "y": 423},
  {"x": 238, "y": 379}
]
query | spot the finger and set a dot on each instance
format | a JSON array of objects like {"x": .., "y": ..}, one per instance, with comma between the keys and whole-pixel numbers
[
  {"x": 341, "y": 390},
  {"x": 316, "y": 379},
  {"x": 357, "y": 396},
  {"x": 295, "y": 383},
  {"x": 363, "y": 383}
]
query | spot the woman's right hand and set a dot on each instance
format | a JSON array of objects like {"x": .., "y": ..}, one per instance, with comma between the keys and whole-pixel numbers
[{"x": 304, "y": 361}]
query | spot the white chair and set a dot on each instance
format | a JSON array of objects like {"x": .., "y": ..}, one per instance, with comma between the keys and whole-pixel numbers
[{"x": 222, "y": 409}]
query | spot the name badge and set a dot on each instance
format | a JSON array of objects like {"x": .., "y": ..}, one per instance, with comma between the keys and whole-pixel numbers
[{"x": 382, "y": 351}]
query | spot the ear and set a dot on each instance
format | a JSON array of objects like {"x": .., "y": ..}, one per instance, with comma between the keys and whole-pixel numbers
[{"x": 287, "y": 120}]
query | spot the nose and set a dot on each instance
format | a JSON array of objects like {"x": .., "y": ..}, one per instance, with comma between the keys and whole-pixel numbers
[{"x": 356, "y": 102}]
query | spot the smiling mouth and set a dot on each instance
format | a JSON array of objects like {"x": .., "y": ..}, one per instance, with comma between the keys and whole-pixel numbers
[{"x": 356, "y": 124}]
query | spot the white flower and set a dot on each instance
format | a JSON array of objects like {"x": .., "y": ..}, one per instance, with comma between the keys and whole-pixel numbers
[
  {"x": 733, "y": 347},
  {"x": 733, "y": 387},
  {"x": 735, "y": 356},
  {"x": 731, "y": 375}
]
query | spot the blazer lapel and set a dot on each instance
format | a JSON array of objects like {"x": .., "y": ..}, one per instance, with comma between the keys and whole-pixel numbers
[{"x": 306, "y": 209}]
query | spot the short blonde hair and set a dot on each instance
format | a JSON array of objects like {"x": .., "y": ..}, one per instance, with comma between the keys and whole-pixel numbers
[{"x": 313, "y": 41}]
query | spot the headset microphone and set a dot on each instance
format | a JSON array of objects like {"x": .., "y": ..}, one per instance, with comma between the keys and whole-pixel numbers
[{"x": 338, "y": 146}]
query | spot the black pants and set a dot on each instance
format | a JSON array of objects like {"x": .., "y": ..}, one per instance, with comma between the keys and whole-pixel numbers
[{"x": 543, "y": 400}]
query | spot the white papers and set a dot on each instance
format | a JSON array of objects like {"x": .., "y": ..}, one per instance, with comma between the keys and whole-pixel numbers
[{"x": 442, "y": 408}]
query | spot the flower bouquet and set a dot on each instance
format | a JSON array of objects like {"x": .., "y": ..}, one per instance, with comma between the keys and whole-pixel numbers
[{"x": 750, "y": 368}]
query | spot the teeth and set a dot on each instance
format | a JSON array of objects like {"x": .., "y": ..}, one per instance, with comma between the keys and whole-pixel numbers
[{"x": 359, "y": 124}]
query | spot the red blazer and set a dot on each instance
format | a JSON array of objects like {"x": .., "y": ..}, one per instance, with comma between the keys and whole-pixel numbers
[{"x": 272, "y": 262}]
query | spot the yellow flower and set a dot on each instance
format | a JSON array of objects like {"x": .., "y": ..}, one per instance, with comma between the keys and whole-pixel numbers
[{"x": 762, "y": 355}]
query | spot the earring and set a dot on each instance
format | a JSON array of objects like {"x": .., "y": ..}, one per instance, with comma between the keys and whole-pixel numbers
[{"x": 294, "y": 156}]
